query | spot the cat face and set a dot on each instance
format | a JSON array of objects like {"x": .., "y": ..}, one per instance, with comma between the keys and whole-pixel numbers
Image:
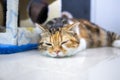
[{"x": 60, "y": 43}]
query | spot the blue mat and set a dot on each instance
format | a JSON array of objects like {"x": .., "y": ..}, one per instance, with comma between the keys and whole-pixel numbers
[{"x": 9, "y": 49}]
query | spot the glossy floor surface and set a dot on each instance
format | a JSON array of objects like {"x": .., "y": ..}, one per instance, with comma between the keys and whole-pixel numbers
[{"x": 90, "y": 64}]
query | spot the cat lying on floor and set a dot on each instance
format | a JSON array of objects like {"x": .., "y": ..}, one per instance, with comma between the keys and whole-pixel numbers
[{"x": 65, "y": 37}]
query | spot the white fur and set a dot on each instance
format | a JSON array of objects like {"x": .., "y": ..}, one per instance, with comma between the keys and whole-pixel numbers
[
  {"x": 70, "y": 51},
  {"x": 116, "y": 43},
  {"x": 68, "y": 14},
  {"x": 70, "y": 22},
  {"x": 46, "y": 53},
  {"x": 82, "y": 46}
]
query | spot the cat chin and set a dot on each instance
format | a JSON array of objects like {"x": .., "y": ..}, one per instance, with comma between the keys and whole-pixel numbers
[
  {"x": 60, "y": 55},
  {"x": 54, "y": 55}
]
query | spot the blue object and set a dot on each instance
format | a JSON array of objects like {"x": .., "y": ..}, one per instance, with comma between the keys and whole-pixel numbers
[{"x": 9, "y": 49}]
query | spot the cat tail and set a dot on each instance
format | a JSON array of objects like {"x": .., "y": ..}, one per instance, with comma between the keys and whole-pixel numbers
[{"x": 114, "y": 38}]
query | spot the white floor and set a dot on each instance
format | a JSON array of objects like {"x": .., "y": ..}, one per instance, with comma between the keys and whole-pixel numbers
[{"x": 91, "y": 64}]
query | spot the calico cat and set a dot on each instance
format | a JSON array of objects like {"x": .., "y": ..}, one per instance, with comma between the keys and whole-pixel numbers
[{"x": 64, "y": 37}]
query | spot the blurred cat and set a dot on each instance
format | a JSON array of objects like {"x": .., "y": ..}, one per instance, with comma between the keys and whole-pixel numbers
[{"x": 64, "y": 37}]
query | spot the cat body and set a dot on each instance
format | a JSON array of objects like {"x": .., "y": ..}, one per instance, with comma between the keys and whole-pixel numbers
[{"x": 64, "y": 37}]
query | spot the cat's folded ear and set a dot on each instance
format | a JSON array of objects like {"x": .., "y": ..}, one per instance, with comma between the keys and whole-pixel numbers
[
  {"x": 73, "y": 26},
  {"x": 40, "y": 27}
]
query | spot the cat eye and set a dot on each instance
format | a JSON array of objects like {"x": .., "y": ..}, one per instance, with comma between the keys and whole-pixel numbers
[
  {"x": 40, "y": 43},
  {"x": 64, "y": 42},
  {"x": 48, "y": 44}
]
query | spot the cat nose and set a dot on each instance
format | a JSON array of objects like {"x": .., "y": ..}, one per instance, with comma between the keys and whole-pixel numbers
[{"x": 57, "y": 51}]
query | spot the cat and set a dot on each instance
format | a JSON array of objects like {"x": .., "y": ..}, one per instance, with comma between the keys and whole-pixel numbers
[{"x": 62, "y": 37}]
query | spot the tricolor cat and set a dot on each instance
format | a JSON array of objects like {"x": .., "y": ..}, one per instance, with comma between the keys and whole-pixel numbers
[{"x": 64, "y": 37}]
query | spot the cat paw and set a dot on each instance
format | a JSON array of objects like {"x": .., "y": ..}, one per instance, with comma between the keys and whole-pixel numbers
[{"x": 116, "y": 43}]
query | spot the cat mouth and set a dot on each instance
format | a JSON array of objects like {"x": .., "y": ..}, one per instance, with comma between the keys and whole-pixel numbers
[
  {"x": 60, "y": 55},
  {"x": 57, "y": 55}
]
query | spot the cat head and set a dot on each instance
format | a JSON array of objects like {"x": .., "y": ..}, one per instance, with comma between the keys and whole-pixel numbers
[{"x": 59, "y": 42}]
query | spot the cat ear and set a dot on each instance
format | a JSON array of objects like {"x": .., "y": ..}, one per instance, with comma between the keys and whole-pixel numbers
[
  {"x": 72, "y": 26},
  {"x": 40, "y": 27}
]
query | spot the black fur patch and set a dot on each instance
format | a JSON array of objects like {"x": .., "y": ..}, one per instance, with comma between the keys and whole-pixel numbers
[{"x": 56, "y": 23}]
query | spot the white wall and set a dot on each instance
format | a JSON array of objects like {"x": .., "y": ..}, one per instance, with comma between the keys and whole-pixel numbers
[{"x": 106, "y": 13}]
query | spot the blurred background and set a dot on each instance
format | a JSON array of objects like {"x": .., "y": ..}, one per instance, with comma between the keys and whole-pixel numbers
[{"x": 105, "y": 13}]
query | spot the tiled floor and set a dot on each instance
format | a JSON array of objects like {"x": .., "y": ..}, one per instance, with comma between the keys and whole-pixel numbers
[{"x": 91, "y": 64}]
